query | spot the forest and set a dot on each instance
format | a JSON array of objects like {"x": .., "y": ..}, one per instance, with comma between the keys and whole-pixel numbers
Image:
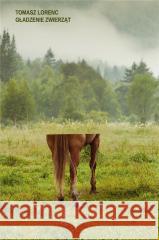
[
  {"x": 50, "y": 95},
  {"x": 48, "y": 88}
]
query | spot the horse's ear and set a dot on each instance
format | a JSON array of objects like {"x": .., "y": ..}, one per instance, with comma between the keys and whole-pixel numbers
[{"x": 50, "y": 141}]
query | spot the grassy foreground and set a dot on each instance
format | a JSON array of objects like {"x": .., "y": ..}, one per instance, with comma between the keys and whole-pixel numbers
[{"x": 127, "y": 162}]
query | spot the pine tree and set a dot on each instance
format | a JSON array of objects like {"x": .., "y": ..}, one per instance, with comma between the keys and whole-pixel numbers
[
  {"x": 4, "y": 50},
  {"x": 8, "y": 57},
  {"x": 12, "y": 57},
  {"x": 135, "y": 69},
  {"x": 49, "y": 58}
]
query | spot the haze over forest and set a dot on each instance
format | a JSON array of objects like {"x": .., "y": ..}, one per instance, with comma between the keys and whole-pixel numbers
[{"x": 116, "y": 32}]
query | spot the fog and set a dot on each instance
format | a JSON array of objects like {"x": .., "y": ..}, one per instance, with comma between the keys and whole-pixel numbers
[{"x": 90, "y": 35}]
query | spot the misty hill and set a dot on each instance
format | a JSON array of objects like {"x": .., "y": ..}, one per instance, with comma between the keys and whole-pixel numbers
[
  {"x": 116, "y": 32},
  {"x": 139, "y": 19}
]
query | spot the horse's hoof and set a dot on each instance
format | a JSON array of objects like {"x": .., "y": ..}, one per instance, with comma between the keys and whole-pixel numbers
[
  {"x": 60, "y": 198},
  {"x": 74, "y": 197},
  {"x": 93, "y": 191}
]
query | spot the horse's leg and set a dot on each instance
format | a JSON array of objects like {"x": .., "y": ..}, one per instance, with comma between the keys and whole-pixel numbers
[
  {"x": 61, "y": 194},
  {"x": 94, "y": 148},
  {"x": 60, "y": 190},
  {"x": 75, "y": 155}
]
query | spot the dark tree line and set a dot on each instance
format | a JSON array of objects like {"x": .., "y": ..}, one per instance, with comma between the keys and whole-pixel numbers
[
  {"x": 10, "y": 59},
  {"x": 48, "y": 88}
]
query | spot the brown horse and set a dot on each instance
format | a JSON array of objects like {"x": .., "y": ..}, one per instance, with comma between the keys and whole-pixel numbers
[{"x": 63, "y": 144}]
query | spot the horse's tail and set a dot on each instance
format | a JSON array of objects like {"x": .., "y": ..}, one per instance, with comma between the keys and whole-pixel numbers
[{"x": 60, "y": 157}]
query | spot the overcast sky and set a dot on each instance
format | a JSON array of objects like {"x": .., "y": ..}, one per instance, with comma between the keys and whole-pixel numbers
[{"x": 90, "y": 35}]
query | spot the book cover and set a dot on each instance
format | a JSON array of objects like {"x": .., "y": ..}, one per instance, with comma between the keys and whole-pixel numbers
[{"x": 79, "y": 84}]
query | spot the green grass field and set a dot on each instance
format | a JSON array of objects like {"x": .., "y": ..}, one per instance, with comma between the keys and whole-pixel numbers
[{"x": 127, "y": 162}]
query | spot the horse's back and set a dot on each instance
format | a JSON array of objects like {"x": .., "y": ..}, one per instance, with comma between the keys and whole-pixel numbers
[{"x": 74, "y": 140}]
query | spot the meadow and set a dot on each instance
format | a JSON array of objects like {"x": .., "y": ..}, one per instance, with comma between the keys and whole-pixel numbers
[{"x": 127, "y": 162}]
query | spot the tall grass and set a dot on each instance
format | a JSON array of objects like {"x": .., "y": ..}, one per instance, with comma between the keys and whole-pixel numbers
[{"x": 127, "y": 162}]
